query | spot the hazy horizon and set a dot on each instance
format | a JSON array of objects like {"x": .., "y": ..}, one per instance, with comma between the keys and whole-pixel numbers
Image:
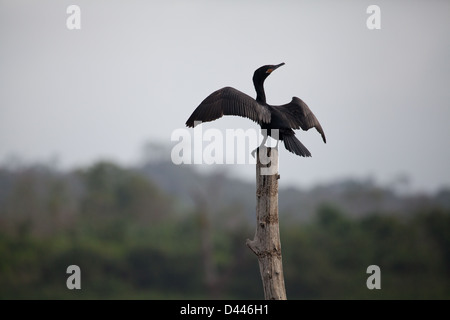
[{"x": 136, "y": 70}]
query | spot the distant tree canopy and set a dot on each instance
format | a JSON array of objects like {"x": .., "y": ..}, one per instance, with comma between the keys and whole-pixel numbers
[
  {"x": 111, "y": 190},
  {"x": 134, "y": 239}
]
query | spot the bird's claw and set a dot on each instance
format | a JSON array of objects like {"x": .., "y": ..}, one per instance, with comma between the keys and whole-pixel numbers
[{"x": 254, "y": 152}]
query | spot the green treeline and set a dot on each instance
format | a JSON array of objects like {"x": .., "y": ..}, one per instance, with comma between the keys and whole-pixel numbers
[{"x": 133, "y": 240}]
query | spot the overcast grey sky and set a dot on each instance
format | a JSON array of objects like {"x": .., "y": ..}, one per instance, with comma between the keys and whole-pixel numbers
[{"x": 136, "y": 70}]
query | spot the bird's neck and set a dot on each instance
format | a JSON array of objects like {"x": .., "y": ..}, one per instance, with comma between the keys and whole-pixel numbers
[{"x": 260, "y": 94}]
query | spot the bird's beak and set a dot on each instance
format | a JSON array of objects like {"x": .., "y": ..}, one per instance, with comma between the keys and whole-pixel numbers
[{"x": 275, "y": 67}]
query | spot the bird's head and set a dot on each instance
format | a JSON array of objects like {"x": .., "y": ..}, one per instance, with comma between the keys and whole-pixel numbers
[{"x": 263, "y": 72}]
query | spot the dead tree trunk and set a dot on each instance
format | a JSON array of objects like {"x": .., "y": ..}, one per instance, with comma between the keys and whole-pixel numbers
[
  {"x": 206, "y": 241},
  {"x": 266, "y": 244}
]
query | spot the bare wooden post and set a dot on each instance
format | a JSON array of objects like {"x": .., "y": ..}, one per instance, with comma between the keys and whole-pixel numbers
[{"x": 266, "y": 244}]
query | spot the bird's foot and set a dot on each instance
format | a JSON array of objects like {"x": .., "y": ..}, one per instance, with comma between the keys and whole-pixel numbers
[{"x": 254, "y": 152}]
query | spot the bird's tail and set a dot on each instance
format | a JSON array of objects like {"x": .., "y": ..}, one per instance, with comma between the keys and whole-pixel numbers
[{"x": 293, "y": 145}]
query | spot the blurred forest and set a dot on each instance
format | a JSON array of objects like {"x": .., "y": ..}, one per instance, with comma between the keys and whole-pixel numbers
[{"x": 159, "y": 231}]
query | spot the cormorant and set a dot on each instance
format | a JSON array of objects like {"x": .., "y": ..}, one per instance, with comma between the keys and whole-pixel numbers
[{"x": 293, "y": 115}]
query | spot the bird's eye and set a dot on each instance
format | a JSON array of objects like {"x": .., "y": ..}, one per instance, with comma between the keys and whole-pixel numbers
[{"x": 269, "y": 70}]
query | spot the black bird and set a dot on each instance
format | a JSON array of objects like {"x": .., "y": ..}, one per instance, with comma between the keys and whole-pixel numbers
[{"x": 293, "y": 115}]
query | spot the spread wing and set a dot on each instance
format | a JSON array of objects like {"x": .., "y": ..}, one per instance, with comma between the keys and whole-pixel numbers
[
  {"x": 298, "y": 115},
  {"x": 229, "y": 101}
]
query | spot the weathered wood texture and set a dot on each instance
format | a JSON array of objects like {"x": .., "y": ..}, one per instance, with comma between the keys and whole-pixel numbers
[{"x": 266, "y": 244}]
